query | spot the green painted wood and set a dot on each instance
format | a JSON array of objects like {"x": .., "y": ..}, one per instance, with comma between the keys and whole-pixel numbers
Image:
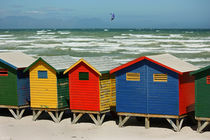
[
  {"x": 8, "y": 87},
  {"x": 202, "y": 94},
  {"x": 83, "y": 76},
  {"x": 63, "y": 90}
]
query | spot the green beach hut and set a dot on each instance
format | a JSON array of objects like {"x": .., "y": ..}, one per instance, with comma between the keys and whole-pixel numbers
[
  {"x": 14, "y": 83},
  {"x": 202, "y": 97}
]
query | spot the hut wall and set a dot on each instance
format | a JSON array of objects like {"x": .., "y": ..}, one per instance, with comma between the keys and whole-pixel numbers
[
  {"x": 186, "y": 93},
  {"x": 202, "y": 95},
  {"x": 131, "y": 96},
  {"x": 163, "y": 97},
  {"x": 145, "y": 95},
  {"x": 113, "y": 90},
  {"x": 8, "y": 87},
  {"x": 105, "y": 92},
  {"x": 63, "y": 90},
  {"x": 43, "y": 90},
  {"x": 84, "y": 94},
  {"x": 23, "y": 88}
]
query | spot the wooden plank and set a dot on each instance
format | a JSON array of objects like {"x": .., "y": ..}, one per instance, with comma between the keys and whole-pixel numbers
[
  {"x": 14, "y": 107},
  {"x": 60, "y": 116},
  {"x": 132, "y": 76},
  {"x": 36, "y": 115},
  {"x": 50, "y": 109},
  {"x": 13, "y": 114},
  {"x": 131, "y": 114},
  {"x": 172, "y": 124},
  {"x": 147, "y": 123},
  {"x": 21, "y": 113},
  {"x": 123, "y": 121},
  {"x": 102, "y": 118},
  {"x": 199, "y": 125},
  {"x": 202, "y": 119},
  {"x": 90, "y": 112},
  {"x": 76, "y": 118},
  {"x": 203, "y": 126},
  {"x": 53, "y": 117},
  {"x": 93, "y": 118},
  {"x": 150, "y": 115}
]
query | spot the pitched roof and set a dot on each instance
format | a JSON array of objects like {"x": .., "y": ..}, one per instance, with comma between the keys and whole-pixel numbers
[
  {"x": 200, "y": 70},
  {"x": 102, "y": 64},
  {"x": 61, "y": 63},
  {"x": 58, "y": 63},
  {"x": 16, "y": 59},
  {"x": 165, "y": 60},
  {"x": 98, "y": 64}
]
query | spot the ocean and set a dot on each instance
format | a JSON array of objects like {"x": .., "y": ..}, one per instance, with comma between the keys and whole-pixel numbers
[{"x": 121, "y": 45}]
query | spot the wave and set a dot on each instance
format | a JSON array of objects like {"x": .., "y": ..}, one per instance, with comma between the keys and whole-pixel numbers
[
  {"x": 197, "y": 45},
  {"x": 64, "y": 32},
  {"x": 6, "y": 35},
  {"x": 154, "y": 36}
]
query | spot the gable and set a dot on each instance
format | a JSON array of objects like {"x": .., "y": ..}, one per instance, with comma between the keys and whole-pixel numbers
[
  {"x": 165, "y": 60},
  {"x": 82, "y": 67},
  {"x": 42, "y": 66}
]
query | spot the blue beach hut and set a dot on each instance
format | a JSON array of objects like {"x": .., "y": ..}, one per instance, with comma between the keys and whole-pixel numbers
[{"x": 156, "y": 86}]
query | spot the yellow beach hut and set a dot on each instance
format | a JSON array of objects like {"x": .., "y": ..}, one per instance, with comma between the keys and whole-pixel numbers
[{"x": 49, "y": 87}]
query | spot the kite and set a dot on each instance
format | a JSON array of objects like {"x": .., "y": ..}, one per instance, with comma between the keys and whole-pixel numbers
[{"x": 112, "y": 16}]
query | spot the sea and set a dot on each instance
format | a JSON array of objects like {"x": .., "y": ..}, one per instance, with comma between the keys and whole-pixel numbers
[{"x": 121, "y": 45}]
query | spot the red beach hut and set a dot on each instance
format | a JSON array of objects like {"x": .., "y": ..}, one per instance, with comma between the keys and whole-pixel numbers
[{"x": 91, "y": 88}]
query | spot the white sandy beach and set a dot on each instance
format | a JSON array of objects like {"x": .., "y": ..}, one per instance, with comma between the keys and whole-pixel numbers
[{"x": 46, "y": 129}]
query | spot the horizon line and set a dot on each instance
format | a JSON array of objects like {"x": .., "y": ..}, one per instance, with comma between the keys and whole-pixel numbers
[{"x": 104, "y": 28}]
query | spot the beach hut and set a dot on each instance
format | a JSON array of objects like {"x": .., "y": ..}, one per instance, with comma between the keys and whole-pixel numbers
[
  {"x": 157, "y": 86},
  {"x": 202, "y": 97},
  {"x": 14, "y": 84},
  {"x": 91, "y": 88},
  {"x": 49, "y": 87}
]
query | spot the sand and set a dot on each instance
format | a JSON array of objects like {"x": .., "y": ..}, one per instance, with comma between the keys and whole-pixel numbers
[{"x": 46, "y": 129}]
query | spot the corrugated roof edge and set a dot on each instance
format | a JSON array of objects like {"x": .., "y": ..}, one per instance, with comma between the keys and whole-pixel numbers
[
  {"x": 200, "y": 70},
  {"x": 39, "y": 59},
  {"x": 10, "y": 65},
  {"x": 140, "y": 59}
]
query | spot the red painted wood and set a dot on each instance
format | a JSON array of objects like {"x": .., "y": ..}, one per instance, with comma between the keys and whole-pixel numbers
[
  {"x": 140, "y": 59},
  {"x": 3, "y": 72},
  {"x": 208, "y": 79},
  {"x": 186, "y": 93},
  {"x": 84, "y": 94}
]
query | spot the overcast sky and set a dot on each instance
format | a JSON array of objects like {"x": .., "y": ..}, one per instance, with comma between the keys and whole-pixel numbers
[{"x": 96, "y": 13}]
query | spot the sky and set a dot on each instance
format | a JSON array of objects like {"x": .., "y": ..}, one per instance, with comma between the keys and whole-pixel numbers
[{"x": 96, "y": 13}]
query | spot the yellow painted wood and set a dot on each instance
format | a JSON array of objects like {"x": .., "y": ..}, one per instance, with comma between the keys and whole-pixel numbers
[
  {"x": 43, "y": 92},
  {"x": 132, "y": 76},
  {"x": 113, "y": 90},
  {"x": 105, "y": 92},
  {"x": 160, "y": 77}
]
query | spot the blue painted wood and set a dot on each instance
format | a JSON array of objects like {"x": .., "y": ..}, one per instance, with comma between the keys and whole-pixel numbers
[
  {"x": 12, "y": 66},
  {"x": 163, "y": 97},
  {"x": 131, "y": 95},
  {"x": 42, "y": 74},
  {"x": 147, "y": 96},
  {"x": 23, "y": 88}
]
